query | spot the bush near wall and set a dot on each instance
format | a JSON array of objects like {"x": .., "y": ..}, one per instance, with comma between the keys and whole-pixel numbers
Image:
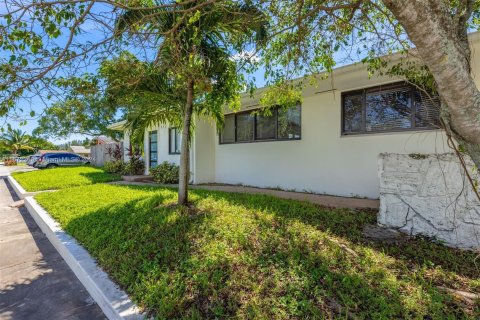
[
  {"x": 165, "y": 173},
  {"x": 134, "y": 166},
  {"x": 116, "y": 166}
]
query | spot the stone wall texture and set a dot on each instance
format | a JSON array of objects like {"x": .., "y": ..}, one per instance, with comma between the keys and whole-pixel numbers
[{"x": 430, "y": 195}]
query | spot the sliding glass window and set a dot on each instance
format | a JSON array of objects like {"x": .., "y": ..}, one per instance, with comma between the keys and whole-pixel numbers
[{"x": 256, "y": 126}]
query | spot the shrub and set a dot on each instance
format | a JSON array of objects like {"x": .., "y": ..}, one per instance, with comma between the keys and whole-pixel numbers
[
  {"x": 116, "y": 166},
  {"x": 165, "y": 173},
  {"x": 134, "y": 167},
  {"x": 10, "y": 162},
  {"x": 115, "y": 152}
]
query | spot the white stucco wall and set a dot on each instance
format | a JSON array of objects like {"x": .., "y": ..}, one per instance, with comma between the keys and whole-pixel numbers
[
  {"x": 322, "y": 161},
  {"x": 203, "y": 148},
  {"x": 162, "y": 147},
  {"x": 163, "y": 150},
  {"x": 126, "y": 146}
]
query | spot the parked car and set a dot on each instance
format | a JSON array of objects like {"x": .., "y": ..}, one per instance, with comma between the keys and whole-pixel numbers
[
  {"x": 53, "y": 160},
  {"x": 32, "y": 159}
]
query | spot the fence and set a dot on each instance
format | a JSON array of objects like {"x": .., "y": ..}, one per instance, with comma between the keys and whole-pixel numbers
[{"x": 102, "y": 153}]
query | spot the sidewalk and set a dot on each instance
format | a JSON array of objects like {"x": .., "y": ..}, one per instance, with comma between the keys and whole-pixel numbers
[
  {"x": 35, "y": 282},
  {"x": 320, "y": 199}
]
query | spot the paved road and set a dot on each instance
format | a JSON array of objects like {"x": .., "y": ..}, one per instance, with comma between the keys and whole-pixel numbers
[{"x": 35, "y": 282}]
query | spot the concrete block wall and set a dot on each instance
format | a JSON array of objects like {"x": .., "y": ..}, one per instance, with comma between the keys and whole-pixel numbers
[{"x": 430, "y": 195}]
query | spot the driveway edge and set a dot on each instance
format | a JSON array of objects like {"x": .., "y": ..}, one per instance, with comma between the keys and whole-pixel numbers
[
  {"x": 19, "y": 191},
  {"x": 113, "y": 301}
]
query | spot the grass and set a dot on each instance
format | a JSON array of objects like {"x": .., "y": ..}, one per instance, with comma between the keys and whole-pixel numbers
[
  {"x": 60, "y": 178},
  {"x": 255, "y": 256}
]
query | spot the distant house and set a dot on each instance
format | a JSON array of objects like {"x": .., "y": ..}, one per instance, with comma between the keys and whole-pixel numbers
[
  {"x": 81, "y": 150},
  {"x": 102, "y": 140}
]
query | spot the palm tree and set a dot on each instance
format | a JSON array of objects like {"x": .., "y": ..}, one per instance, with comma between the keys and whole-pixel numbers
[
  {"x": 193, "y": 72},
  {"x": 15, "y": 140}
]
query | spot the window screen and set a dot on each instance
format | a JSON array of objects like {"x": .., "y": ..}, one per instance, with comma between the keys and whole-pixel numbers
[
  {"x": 228, "y": 132},
  {"x": 245, "y": 127},
  {"x": 281, "y": 124},
  {"x": 175, "y": 141},
  {"x": 266, "y": 126},
  {"x": 289, "y": 125},
  {"x": 388, "y": 108}
]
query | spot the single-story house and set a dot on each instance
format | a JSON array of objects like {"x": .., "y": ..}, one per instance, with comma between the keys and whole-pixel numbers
[
  {"x": 81, "y": 150},
  {"x": 328, "y": 144}
]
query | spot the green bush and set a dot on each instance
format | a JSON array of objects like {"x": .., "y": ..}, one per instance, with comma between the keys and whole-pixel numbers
[
  {"x": 134, "y": 166},
  {"x": 165, "y": 173},
  {"x": 116, "y": 166}
]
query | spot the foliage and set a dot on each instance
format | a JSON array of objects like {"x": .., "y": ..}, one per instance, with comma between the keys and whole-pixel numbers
[
  {"x": 62, "y": 177},
  {"x": 258, "y": 257},
  {"x": 193, "y": 71},
  {"x": 41, "y": 144},
  {"x": 134, "y": 166},
  {"x": 15, "y": 140},
  {"x": 116, "y": 166},
  {"x": 9, "y": 162},
  {"x": 88, "y": 115},
  {"x": 115, "y": 152},
  {"x": 165, "y": 172}
]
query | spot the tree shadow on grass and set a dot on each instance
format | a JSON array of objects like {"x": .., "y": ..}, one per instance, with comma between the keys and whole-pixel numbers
[
  {"x": 248, "y": 256},
  {"x": 349, "y": 224},
  {"x": 98, "y": 177}
]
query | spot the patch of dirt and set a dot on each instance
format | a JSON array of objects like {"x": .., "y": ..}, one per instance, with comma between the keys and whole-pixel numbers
[{"x": 386, "y": 235}]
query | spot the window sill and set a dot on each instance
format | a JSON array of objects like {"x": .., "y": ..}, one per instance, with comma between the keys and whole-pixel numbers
[
  {"x": 389, "y": 132},
  {"x": 257, "y": 141}
]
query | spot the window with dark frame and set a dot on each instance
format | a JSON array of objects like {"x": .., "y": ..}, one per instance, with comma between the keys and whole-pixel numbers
[
  {"x": 253, "y": 126},
  {"x": 174, "y": 141},
  {"x": 396, "y": 107},
  {"x": 152, "y": 148}
]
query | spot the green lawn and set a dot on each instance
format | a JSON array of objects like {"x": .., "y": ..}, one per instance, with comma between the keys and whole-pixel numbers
[
  {"x": 253, "y": 256},
  {"x": 60, "y": 178}
]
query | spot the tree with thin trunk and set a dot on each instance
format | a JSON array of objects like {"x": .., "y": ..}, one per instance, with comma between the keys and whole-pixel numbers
[{"x": 193, "y": 71}]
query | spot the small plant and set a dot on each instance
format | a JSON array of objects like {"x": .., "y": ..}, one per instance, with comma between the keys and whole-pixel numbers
[
  {"x": 165, "y": 172},
  {"x": 134, "y": 166},
  {"x": 10, "y": 162},
  {"x": 117, "y": 166},
  {"x": 115, "y": 152}
]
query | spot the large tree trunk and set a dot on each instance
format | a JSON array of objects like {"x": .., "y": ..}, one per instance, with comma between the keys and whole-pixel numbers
[
  {"x": 184, "y": 174},
  {"x": 441, "y": 40}
]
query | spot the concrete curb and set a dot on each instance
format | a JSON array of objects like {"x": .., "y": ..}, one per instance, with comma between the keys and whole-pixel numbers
[
  {"x": 21, "y": 193},
  {"x": 113, "y": 301}
]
